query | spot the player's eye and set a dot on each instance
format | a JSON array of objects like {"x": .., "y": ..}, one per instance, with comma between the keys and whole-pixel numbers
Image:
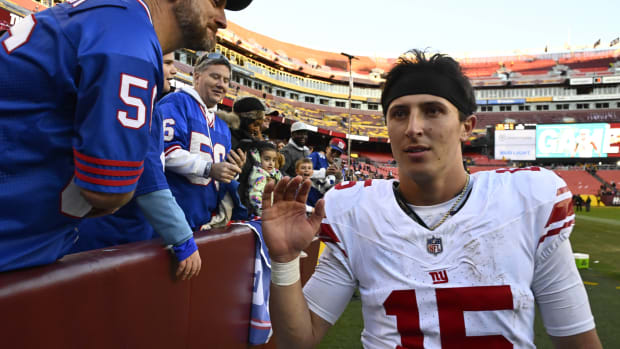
[
  {"x": 398, "y": 113},
  {"x": 433, "y": 109}
]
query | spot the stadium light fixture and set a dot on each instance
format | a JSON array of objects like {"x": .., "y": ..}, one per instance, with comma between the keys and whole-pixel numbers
[{"x": 351, "y": 58}]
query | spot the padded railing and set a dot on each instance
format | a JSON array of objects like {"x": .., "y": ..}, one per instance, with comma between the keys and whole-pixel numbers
[{"x": 127, "y": 297}]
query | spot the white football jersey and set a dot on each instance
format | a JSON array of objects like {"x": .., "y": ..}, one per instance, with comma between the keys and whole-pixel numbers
[{"x": 467, "y": 284}]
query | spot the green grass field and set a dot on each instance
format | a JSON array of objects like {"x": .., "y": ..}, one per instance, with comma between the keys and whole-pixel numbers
[{"x": 597, "y": 233}]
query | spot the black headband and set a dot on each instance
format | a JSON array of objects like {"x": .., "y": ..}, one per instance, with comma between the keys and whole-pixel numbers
[{"x": 430, "y": 83}]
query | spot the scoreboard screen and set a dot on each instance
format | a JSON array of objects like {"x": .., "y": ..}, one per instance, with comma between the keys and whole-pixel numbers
[{"x": 594, "y": 140}]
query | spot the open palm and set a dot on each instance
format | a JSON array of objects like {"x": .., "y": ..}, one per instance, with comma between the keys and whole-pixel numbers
[{"x": 286, "y": 227}]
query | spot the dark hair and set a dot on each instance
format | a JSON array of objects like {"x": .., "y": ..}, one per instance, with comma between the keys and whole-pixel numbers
[
  {"x": 414, "y": 62},
  {"x": 246, "y": 171}
]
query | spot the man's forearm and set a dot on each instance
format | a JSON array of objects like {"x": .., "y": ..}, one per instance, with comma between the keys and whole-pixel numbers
[
  {"x": 294, "y": 325},
  {"x": 164, "y": 214},
  {"x": 586, "y": 340},
  {"x": 183, "y": 162}
]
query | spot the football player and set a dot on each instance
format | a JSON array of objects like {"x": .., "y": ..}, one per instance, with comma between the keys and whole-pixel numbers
[
  {"x": 442, "y": 259},
  {"x": 197, "y": 141},
  {"x": 78, "y": 82}
]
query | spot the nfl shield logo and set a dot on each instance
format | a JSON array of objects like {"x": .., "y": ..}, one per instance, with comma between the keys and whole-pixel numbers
[{"x": 434, "y": 246}]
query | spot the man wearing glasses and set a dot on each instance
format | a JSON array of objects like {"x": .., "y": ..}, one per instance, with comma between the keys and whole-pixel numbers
[{"x": 197, "y": 143}]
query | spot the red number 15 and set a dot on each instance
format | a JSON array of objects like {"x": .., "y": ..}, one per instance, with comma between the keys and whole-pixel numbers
[{"x": 451, "y": 303}]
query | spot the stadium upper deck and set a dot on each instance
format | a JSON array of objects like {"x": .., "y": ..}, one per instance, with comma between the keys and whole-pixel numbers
[{"x": 312, "y": 85}]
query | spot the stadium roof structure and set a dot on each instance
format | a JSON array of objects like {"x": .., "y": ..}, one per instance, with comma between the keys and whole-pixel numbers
[
  {"x": 484, "y": 71},
  {"x": 21, "y": 5}
]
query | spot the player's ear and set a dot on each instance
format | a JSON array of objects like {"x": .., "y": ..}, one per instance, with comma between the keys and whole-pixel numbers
[{"x": 467, "y": 127}]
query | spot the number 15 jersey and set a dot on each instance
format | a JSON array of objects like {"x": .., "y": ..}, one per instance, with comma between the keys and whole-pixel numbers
[{"x": 471, "y": 283}]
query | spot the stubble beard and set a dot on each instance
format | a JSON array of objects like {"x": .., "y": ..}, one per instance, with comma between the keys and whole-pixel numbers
[{"x": 194, "y": 36}]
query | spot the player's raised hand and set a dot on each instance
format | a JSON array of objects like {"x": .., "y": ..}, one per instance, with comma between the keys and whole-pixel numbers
[
  {"x": 189, "y": 267},
  {"x": 236, "y": 157},
  {"x": 286, "y": 227},
  {"x": 224, "y": 171}
]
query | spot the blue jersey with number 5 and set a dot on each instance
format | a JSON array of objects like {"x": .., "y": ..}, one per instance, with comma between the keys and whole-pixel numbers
[{"x": 78, "y": 83}]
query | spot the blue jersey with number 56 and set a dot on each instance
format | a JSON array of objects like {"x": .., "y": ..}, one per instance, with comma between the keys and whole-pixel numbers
[{"x": 77, "y": 85}]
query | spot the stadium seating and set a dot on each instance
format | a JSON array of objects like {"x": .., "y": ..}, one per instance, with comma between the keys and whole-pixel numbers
[
  {"x": 610, "y": 176},
  {"x": 579, "y": 181}
]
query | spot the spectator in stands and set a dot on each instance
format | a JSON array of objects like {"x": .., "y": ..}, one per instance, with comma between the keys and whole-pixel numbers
[
  {"x": 250, "y": 112},
  {"x": 169, "y": 72},
  {"x": 327, "y": 169},
  {"x": 436, "y": 249},
  {"x": 153, "y": 208},
  {"x": 251, "y": 186},
  {"x": 269, "y": 114},
  {"x": 296, "y": 148},
  {"x": 80, "y": 144},
  {"x": 303, "y": 168},
  {"x": 198, "y": 142}
]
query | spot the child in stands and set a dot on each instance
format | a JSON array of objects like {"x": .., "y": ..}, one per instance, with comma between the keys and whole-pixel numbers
[{"x": 262, "y": 173}]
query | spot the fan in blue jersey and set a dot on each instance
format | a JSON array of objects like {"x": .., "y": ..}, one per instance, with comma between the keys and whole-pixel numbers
[
  {"x": 327, "y": 171},
  {"x": 153, "y": 208},
  {"x": 197, "y": 142},
  {"x": 78, "y": 83}
]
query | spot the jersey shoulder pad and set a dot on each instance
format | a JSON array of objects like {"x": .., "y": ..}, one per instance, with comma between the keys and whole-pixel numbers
[
  {"x": 536, "y": 184},
  {"x": 346, "y": 196}
]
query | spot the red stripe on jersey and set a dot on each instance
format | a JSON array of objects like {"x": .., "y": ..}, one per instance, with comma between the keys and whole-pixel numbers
[
  {"x": 104, "y": 172},
  {"x": 261, "y": 327},
  {"x": 560, "y": 211},
  {"x": 105, "y": 162},
  {"x": 556, "y": 231},
  {"x": 171, "y": 148},
  {"x": 327, "y": 234},
  {"x": 106, "y": 182},
  {"x": 562, "y": 191},
  {"x": 261, "y": 321}
]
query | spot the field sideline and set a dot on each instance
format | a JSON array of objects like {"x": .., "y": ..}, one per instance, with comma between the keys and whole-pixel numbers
[{"x": 597, "y": 233}]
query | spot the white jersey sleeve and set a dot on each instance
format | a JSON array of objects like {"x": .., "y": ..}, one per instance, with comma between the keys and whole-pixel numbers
[
  {"x": 557, "y": 285},
  {"x": 560, "y": 294},
  {"x": 330, "y": 288},
  {"x": 331, "y": 277}
]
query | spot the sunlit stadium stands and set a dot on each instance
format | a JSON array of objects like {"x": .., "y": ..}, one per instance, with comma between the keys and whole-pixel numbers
[
  {"x": 610, "y": 176},
  {"x": 579, "y": 181}
]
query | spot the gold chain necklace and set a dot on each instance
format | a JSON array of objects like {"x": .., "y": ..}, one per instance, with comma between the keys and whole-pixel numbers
[{"x": 458, "y": 200}]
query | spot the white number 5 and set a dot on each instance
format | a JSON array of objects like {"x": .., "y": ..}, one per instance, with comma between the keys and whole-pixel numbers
[
  {"x": 19, "y": 34},
  {"x": 127, "y": 81}
]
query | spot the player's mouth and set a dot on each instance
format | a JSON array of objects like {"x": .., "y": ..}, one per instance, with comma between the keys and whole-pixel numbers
[{"x": 416, "y": 151}]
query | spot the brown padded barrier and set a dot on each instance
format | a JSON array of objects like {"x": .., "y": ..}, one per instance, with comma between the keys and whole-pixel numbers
[{"x": 126, "y": 297}]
